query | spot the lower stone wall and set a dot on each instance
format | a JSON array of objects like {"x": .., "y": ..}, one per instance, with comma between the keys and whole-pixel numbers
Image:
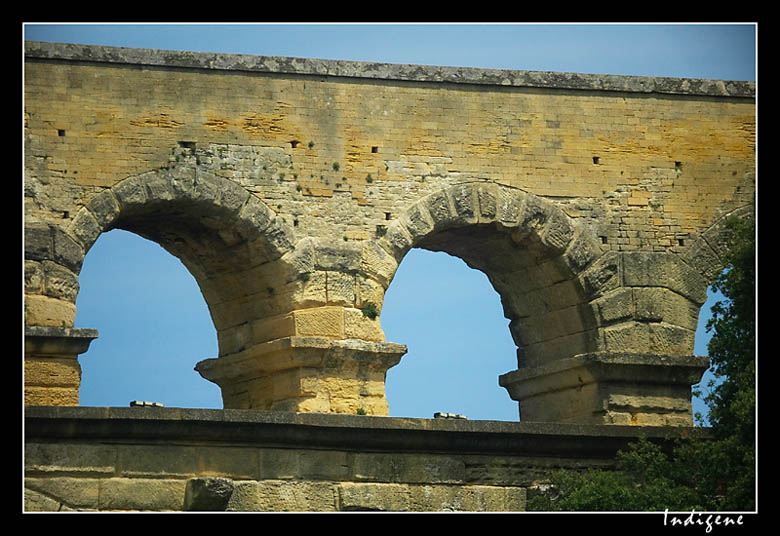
[{"x": 171, "y": 459}]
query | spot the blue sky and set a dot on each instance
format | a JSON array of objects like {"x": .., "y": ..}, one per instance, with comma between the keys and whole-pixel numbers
[{"x": 153, "y": 323}]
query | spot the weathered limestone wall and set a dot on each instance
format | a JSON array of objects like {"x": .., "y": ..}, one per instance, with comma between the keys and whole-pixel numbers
[
  {"x": 166, "y": 459},
  {"x": 292, "y": 189}
]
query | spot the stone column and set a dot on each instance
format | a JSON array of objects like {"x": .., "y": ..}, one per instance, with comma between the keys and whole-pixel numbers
[
  {"x": 306, "y": 374},
  {"x": 52, "y": 374},
  {"x": 608, "y": 388},
  {"x": 309, "y": 338},
  {"x": 641, "y": 367}
]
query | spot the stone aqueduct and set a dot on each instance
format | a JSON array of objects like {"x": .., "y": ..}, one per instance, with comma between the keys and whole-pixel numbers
[{"x": 291, "y": 189}]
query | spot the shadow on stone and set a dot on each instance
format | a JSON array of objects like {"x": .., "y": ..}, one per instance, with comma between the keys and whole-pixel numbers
[{"x": 207, "y": 494}]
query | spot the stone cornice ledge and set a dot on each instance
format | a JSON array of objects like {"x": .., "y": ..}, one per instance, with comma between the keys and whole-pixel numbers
[
  {"x": 388, "y": 71},
  {"x": 334, "y": 431}
]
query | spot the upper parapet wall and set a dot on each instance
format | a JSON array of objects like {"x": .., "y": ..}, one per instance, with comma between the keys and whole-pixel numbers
[{"x": 387, "y": 71}]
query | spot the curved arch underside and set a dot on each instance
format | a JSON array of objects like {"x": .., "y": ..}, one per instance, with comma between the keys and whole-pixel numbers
[
  {"x": 221, "y": 232},
  {"x": 532, "y": 253}
]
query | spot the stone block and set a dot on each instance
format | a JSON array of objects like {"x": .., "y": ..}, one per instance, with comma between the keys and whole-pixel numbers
[
  {"x": 583, "y": 251},
  {"x": 69, "y": 458},
  {"x": 311, "y": 290},
  {"x": 417, "y": 222},
  {"x": 156, "y": 461},
  {"x": 85, "y": 228},
  {"x": 558, "y": 232},
  {"x": 369, "y": 292},
  {"x": 377, "y": 263},
  {"x": 341, "y": 289},
  {"x": 141, "y": 494},
  {"x": 233, "y": 197},
  {"x": 275, "y": 327},
  {"x": 627, "y": 336},
  {"x": 207, "y": 494},
  {"x": 130, "y": 194},
  {"x": 509, "y": 202},
  {"x": 465, "y": 202},
  {"x": 45, "y": 311},
  {"x": 38, "y": 245},
  {"x": 320, "y": 322},
  {"x": 50, "y": 396},
  {"x": 52, "y": 372},
  {"x": 438, "y": 207},
  {"x": 467, "y": 499},
  {"x": 237, "y": 462},
  {"x": 663, "y": 305},
  {"x": 37, "y": 502},
  {"x": 283, "y": 496},
  {"x": 358, "y": 326},
  {"x": 647, "y": 269},
  {"x": 373, "y": 497},
  {"x": 338, "y": 256},
  {"x": 33, "y": 277},
  {"x": 396, "y": 241},
  {"x": 61, "y": 494},
  {"x": 59, "y": 282},
  {"x": 602, "y": 276},
  {"x": 616, "y": 305},
  {"x": 104, "y": 208},
  {"x": 254, "y": 217},
  {"x": 486, "y": 198}
]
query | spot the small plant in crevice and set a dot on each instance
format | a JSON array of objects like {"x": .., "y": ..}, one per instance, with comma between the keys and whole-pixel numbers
[
  {"x": 360, "y": 411},
  {"x": 381, "y": 230},
  {"x": 370, "y": 311},
  {"x": 336, "y": 166}
]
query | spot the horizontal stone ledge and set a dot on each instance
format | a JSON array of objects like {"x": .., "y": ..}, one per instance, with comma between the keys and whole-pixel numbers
[
  {"x": 387, "y": 71},
  {"x": 583, "y": 369},
  {"x": 316, "y": 352},
  {"x": 336, "y": 431},
  {"x": 57, "y": 341}
]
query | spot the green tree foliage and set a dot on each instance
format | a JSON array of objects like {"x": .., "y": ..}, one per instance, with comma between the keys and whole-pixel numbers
[
  {"x": 645, "y": 479},
  {"x": 715, "y": 473},
  {"x": 732, "y": 350}
]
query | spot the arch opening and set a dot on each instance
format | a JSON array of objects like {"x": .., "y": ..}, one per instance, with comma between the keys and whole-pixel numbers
[
  {"x": 701, "y": 342},
  {"x": 533, "y": 256},
  {"x": 547, "y": 311},
  {"x": 224, "y": 236},
  {"x": 451, "y": 320},
  {"x": 153, "y": 322}
]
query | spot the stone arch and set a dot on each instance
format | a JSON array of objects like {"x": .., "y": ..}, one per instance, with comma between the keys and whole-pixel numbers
[
  {"x": 603, "y": 336},
  {"x": 164, "y": 205},
  {"x": 709, "y": 248},
  {"x": 534, "y": 255},
  {"x": 224, "y": 235}
]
